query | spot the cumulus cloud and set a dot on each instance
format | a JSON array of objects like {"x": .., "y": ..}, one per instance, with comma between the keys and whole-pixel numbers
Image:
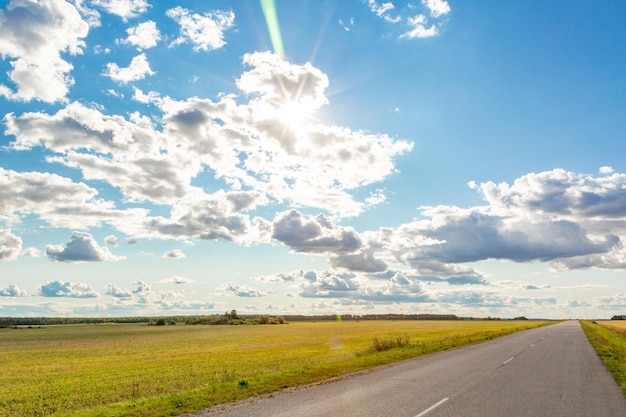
[
  {"x": 418, "y": 28},
  {"x": 437, "y": 7},
  {"x": 316, "y": 235},
  {"x": 173, "y": 254},
  {"x": 57, "y": 200},
  {"x": 81, "y": 248},
  {"x": 31, "y": 252},
  {"x": 205, "y": 31},
  {"x": 12, "y": 291},
  {"x": 242, "y": 290},
  {"x": 34, "y": 34},
  {"x": 246, "y": 145},
  {"x": 137, "y": 70},
  {"x": 67, "y": 289},
  {"x": 144, "y": 36},
  {"x": 117, "y": 292},
  {"x": 10, "y": 245},
  {"x": 126, "y": 9}
]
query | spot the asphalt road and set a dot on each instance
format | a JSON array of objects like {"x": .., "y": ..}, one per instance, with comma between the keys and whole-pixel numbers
[{"x": 551, "y": 371}]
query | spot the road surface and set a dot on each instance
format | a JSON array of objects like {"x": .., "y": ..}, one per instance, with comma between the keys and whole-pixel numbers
[{"x": 551, "y": 371}]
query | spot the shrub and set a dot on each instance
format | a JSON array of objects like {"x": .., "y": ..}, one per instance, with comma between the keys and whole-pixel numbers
[{"x": 380, "y": 344}]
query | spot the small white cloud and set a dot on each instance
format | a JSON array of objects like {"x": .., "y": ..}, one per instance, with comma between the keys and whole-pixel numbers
[
  {"x": 173, "y": 254},
  {"x": 137, "y": 70},
  {"x": 126, "y": 9},
  {"x": 112, "y": 240},
  {"x": 10, "y": 245},
  {"x": 242, "y": 290},
  {"x": 437, "y": 8},
  {"x": 144, "y": 36},
  {"x": 418, "y": 23},
  {"x": 117, "y": 292},
  {"x": 347, "y": 26},
  {"x": 205, "y": 31},
  {"x": 31, "y": 252},
  {"x": 81, "y": 248},
  {"x": 606, "y": 170},
  {"x": 12, "y": 291},
  {"x": 67, "y": 289},
  {"x": 176, "y": 280}
]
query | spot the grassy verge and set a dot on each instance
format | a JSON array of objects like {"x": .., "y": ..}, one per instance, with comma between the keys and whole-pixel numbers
[
  {"x": 609, "y": 340},
  {"x": 139, "y": 370}
]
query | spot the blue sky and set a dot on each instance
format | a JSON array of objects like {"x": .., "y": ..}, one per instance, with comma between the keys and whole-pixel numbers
[{"x": 165, "y": 158}]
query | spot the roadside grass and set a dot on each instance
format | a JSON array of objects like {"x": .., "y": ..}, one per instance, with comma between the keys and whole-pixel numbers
[
  {"x": 138, "y": 370},
  {"x": 609, "y": 340}
]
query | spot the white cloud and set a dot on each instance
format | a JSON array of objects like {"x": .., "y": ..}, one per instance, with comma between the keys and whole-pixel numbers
[
  {"x": 382, "y": 10},
  {"x": 419, "y": 30},
  {"x": 437, "y": 7},
  {"x": 246, "y": 145},
  {"x": 242, "y": 290},
  {"x": 112, "y": 240},
  {"x": 205, "y": 31},
  {"x": 137, "y": 70},
  {"x": 575, "y": 221},
  {"x": 606, "y": 170},
  {"x": 12, "y": 291},
  {"x": 34, "y": 34},
  {"x": 117, "y": 292},
  {"x": 81, "y": 248},
  {"x": 173, "y": 254},
  {"x": 67, "y": 289},
  {"x": 10, "y": 245},
  {"x": 126, "y": 9},
  {"x": 144, "y": 36},
  {"x": 57, "y": 200},
  {"x": 31, "y": 252},
  {"x": 176, "y": 280}
]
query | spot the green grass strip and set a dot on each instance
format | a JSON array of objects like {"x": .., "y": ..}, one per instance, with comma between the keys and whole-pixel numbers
[{"x": 610, "y": 344}]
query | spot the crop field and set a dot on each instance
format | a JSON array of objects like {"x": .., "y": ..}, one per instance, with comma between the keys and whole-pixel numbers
[
  {"x": 139, "y": 370},
  {"x": 609, "y": 340}
]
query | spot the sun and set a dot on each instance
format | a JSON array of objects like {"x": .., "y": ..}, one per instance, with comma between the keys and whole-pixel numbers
[{"x": 294, "y": 114}]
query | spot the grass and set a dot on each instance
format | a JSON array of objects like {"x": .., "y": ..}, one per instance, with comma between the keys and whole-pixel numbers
[
  {"x": 609, "y": 340},
  {"x": 139, "y": 370}
]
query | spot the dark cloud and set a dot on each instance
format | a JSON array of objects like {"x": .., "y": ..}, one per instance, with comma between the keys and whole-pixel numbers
[
  {"x": 361, "y": 262},
  {"x": 316, "y": 235}
]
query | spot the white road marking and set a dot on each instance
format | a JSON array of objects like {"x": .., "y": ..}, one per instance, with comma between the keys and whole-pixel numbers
[
  {"x": 432, "y": 407},
  {"x": 507, "y": 361}
]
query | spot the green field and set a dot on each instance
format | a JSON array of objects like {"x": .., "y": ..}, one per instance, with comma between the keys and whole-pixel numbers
[
  {"x": 609, "y": 340},
  {"x": 140, "y": 370}
]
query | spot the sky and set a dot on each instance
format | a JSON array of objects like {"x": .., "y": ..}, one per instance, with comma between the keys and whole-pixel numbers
[{"x": 313, "y": 157}]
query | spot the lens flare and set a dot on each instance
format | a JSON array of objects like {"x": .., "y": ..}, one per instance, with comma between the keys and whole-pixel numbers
[{"x": 271, "y": 18}]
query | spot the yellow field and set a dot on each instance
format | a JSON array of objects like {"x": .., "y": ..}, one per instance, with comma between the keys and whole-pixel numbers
[
  {"x": 617, "y": 324},
  {"x": 139, "y": 370}
]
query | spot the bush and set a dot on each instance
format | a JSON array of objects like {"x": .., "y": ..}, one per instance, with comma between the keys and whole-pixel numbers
[{"x": 380, "y": 344}]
